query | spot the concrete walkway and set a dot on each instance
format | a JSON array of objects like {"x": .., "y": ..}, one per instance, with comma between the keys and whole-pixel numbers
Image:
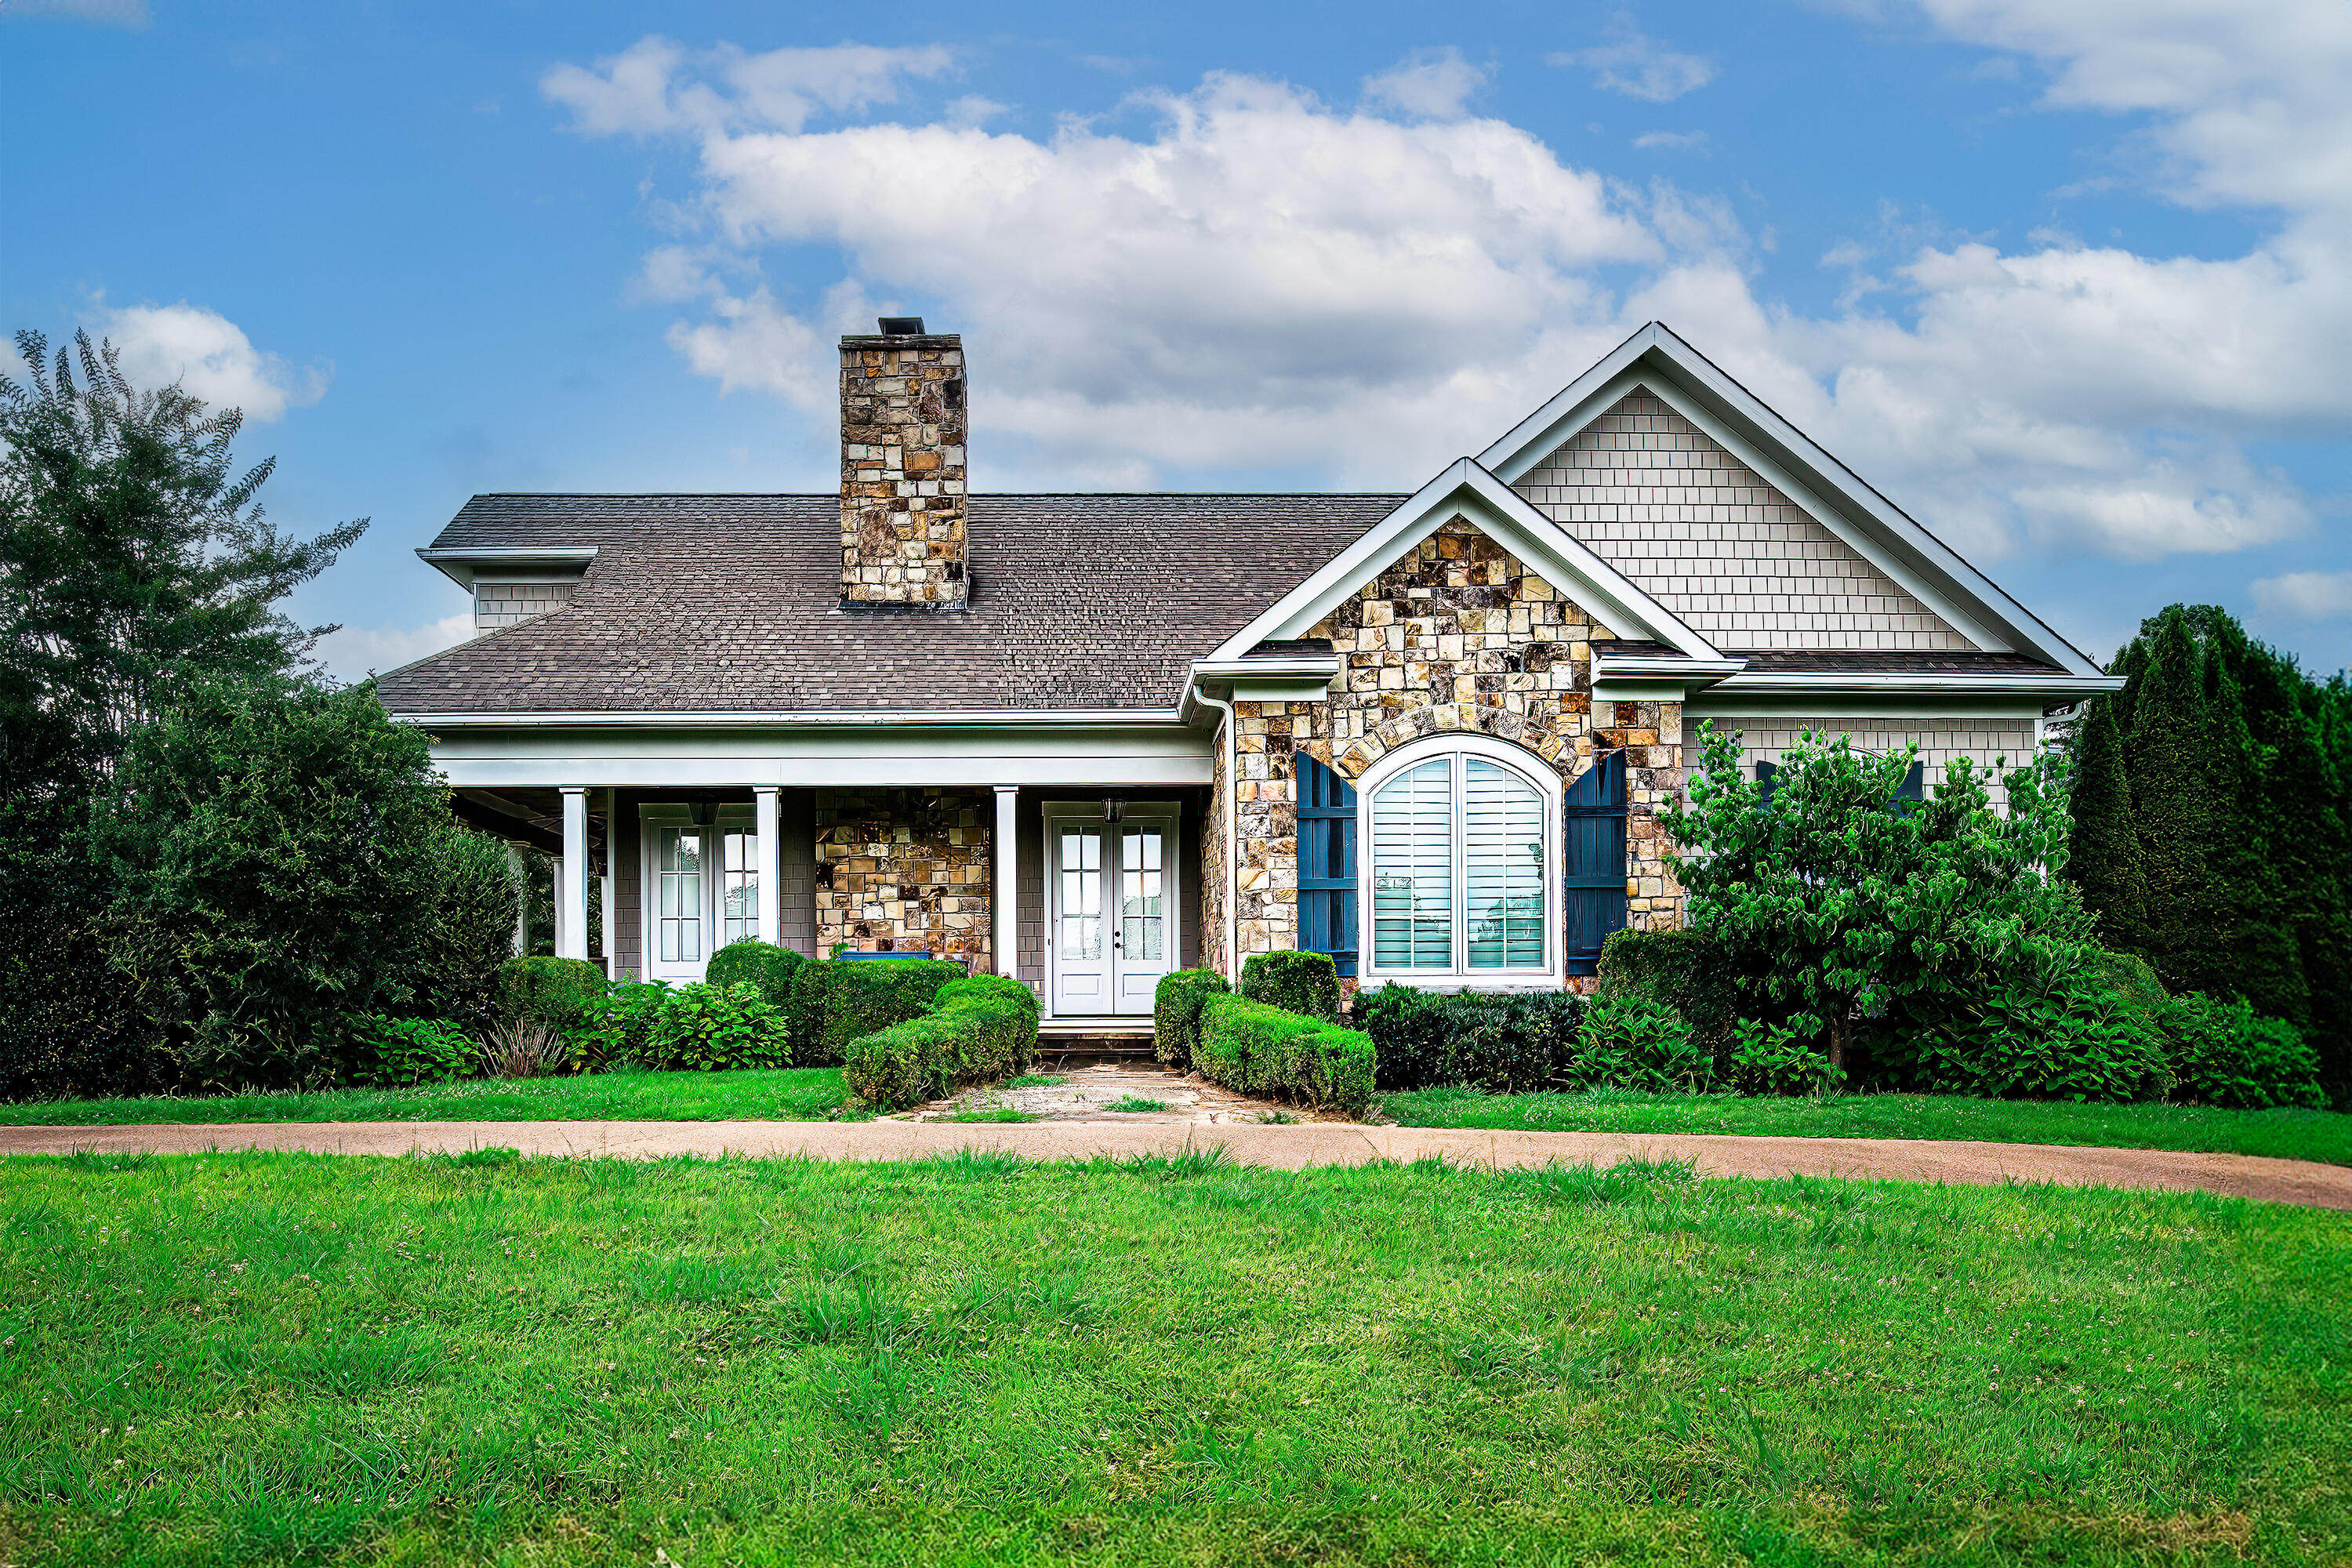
[{"x": 1287, "y": 1148}]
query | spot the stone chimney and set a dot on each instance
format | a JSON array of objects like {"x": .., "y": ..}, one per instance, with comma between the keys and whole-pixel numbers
[{"x": 902, "y": 469}]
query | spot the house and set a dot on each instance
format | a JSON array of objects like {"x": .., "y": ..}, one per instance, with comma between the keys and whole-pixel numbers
[{"x": 1089, "y": 738}]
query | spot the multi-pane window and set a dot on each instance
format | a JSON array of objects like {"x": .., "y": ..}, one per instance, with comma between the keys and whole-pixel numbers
[
  {"x": 1082, "y": 895},
  {"x": 679, "y": 854},
  {"x": 1460, "y": 877},
  {"x": 738, "y": 897},
  {"x": 1142, "y": 922}
]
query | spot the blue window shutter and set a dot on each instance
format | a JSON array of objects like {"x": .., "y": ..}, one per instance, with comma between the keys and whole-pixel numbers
[
  {"x": 1326, "y": 863},
  {"x": 1764, "y": 771},
  {"x": 1592, "y": 879},
  {"x": 1915, "y": 784}
]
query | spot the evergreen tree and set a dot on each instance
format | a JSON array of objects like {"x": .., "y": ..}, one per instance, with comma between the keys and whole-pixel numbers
[
  {"x": 2176, "y": 807},
  {"x": 2251, "y": 944},
  {"x": 2105, "y": 843}
]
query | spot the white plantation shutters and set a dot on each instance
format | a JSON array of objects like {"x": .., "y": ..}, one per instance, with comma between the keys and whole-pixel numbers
[
  {"x": 1462, "y": 867},
  {"x": 1502, "y": 865},
  {"x": 1412, "y": 868}
]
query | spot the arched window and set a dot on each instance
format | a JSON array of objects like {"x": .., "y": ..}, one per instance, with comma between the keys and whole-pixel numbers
[{"x": 1463, "y": 867}]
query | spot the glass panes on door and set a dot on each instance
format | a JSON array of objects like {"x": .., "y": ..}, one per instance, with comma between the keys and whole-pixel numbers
[
  {"x": 1502, "y": 865},
  {"x": 678, "y": 856},
  {"x": 739, "y": 895},
  {"x": 1142, "y": 923},
  {"x": 1082, "y": 894},
  {"x": 1412, "y": 868}
]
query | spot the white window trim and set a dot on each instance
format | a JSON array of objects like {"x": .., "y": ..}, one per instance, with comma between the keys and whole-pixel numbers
[
  {"x": 1461, "y": 977},
  {"x": 652, "y": 816}
]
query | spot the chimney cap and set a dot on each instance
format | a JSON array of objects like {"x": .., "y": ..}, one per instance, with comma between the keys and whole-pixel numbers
[{"x": 901, "y": 326}]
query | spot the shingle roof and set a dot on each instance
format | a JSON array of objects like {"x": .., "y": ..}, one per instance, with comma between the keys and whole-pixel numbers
[
  {"x": 729, "y": 604},
  {"x": 1842, "y": 661}
]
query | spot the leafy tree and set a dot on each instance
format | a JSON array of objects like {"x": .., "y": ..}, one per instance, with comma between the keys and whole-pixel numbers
[
  {"x": 132, "y": 556},
  {"x": 1838, "y": 900},
  {"x": 282, "y": 853}
]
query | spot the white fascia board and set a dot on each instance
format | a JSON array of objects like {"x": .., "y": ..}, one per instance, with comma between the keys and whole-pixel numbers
[
  {"x": 982, "y": 719},
  {"x": 1287, "y": 677},
  {"x": 1503, "y": 515},
  {"x": 459, "y": 562},
  {"x": 1646, "y": 678},
  {"x": 1841, "y": 500}
]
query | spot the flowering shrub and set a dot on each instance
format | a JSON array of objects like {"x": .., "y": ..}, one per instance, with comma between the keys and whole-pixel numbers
[
  {"x": 1775, "y": 1058},
  {"x": 616, "y": 1028},
  {"x": 1630, "y": 1041},
  {"x": 704, "y": 1028},
  {"x": 394, "y": 1053}
]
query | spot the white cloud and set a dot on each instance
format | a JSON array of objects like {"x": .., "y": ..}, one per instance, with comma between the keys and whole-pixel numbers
[
  {"x": 655, "y": 86},
  {"x": 353, "y": 652},
  {"x": 210, "y": 356},
  {"x": 1670, "y": 140},
  {"x": 1260, "y": 280},
  {"x": 2305, "y": 596},
  {"x": 1640, "y": 66},
  {"x": 1428, "y": 84}
]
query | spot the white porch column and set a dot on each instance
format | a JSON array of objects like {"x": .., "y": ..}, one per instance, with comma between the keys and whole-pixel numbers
[
  {"x": 571, "y": 885},
  {"x": 765, "y": 798},
  {"x": 516, "y": 870},
  {"x": 1003, "y": 883}
]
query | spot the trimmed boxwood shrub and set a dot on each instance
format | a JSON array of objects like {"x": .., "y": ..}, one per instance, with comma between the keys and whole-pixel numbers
[
  {"x": 1504, "y": 1042},
  {"x": 836, "y": 1001},
  {"x": 2221, "y": 1053},
  {"x": 1304, "y": 983},
  {"x": 555, "y": 991},
  {"x": 708, "y": 1028},
  {"x": 617, "y": 1027},
  {"x": 752, "y": 962},
  {"x": 978, "y": 1030},
  {"x": 1254, "y": 1048},
  {"x": 1634, "y": 1041},
  {"x": 394, "y": 1053},
  {"x": 1176, "y": 1013},
  {"x": 1683, "y": 969}
]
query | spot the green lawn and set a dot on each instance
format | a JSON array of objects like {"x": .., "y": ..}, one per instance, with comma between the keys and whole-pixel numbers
[
  {"x": 2323, "y": 1135},
  {"x": 781, "y": 1094},
  {"x": 272, "y": 1358}
]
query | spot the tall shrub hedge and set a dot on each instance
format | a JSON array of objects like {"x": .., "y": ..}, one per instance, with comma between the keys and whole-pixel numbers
[
  {"x": 1302, "y": 983},
  {"x": 1176, "y": 1013},
  {"x": 1682, "y": 968},
  {"x": 557, "y": 992},
  {"x": 1255, "y": 1049},
  {"x": 775, "y": 970},
  {"x": 837, "y": 1001},
  {"x": 1504, "y": 1042},
  {"x": 977, "y": 1030}
]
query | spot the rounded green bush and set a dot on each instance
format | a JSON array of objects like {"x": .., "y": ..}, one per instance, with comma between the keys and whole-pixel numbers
[
  {"x": 755, "y": 963},
  {"x": 555, "y": 991},
  {"x": 1306, "y": 983},
  {"x": 2222, "y": 1054},
  {"x": 1176, "y": 1013}
]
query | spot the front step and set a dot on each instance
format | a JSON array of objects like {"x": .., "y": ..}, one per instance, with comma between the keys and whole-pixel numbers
[{"x": 1105, "y": 1039}]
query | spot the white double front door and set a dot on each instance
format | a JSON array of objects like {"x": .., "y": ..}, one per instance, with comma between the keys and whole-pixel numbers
[{"x": 1111, "y": 927}]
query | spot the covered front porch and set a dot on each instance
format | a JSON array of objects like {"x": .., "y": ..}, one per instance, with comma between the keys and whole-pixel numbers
[{"x": 1078, "y": 875}]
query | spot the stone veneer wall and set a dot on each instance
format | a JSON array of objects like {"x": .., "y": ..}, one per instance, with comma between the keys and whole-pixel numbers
[
  {"x": 1458, "y": 636},
  {"x": 902, "y": 470},
  {"x": 1711, "y": 539},
  {"x": 904, "y": 868}
]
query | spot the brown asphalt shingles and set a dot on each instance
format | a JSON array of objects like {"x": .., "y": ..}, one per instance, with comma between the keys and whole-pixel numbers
[{"x": 1288, "y": 1148}]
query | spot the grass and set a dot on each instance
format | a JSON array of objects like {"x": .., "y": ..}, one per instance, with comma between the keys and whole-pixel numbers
[
  {"x": 272, "y": 1358},
  {"x": 781, "y": 1094},
  {"x": 1035, "y": 1080},
  {"x": 1137, "y": 1104},
  {"x": 2322, "y": 1135},
  {"x": 992, "y": 1113}
]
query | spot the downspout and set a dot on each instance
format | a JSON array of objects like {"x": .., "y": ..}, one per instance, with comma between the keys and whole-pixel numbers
[{"x": 1233, "y": 837}]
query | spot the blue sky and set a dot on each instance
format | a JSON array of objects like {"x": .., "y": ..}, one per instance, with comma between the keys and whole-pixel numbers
[{"x": 2073, "y": 284}]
